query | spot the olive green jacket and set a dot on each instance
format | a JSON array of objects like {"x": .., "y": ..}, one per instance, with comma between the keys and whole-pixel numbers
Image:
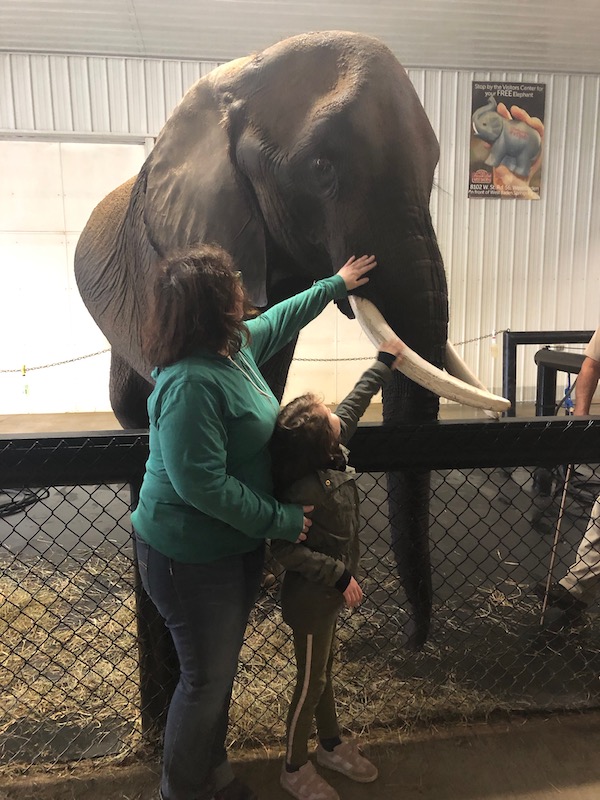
[{"x": 331, "y": 548}]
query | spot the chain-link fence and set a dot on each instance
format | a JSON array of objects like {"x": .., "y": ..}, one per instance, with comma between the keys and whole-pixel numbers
[{"x": 69, "y": 662}]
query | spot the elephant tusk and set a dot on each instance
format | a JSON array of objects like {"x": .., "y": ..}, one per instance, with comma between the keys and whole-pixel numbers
[
  {"x": 457, "y": 367},
  {"x": 419, "y": 370}
]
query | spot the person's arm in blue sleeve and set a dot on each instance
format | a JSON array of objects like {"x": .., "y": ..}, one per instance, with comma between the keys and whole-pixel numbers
[{"x": 194, "y": 451}]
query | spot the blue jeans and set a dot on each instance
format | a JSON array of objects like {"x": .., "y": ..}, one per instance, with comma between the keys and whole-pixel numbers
[{"x": 206, "y": 608}]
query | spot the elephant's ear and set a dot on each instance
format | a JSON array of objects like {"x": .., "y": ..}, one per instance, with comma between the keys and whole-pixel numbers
[{"x": 194, "y": 192}]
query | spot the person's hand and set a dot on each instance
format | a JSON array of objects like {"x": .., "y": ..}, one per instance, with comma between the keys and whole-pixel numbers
[
  {"x": 506, "y": 181},
  {"x": 353, "y": 594},
  {"x": 394, "y": 347},
  {"x": 306, "y": 523},
  {"x": 354, "y": 271}
]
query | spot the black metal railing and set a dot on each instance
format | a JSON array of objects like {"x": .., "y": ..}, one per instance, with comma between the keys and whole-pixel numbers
[
  {"x": 69, "y": 658},
  {"x": 511, "y": 340}
]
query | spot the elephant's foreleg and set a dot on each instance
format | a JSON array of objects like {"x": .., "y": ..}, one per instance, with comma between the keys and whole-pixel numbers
[
  {"x": 129, "y": 394},
  {"x": 496, "y": 154},
  {"x": 409, "y": 523}
]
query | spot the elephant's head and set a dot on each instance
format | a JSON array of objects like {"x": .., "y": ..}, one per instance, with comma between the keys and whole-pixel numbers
[
  {"x": 298, "y": 157},
  {"x": 487, "y": 122}
]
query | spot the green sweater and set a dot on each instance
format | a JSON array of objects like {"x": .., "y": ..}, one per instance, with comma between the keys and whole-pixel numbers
[{"x": 207, "y": 489}]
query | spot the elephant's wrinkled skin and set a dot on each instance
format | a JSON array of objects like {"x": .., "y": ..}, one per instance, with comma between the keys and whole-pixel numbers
[{"x": 293, "y": 159}]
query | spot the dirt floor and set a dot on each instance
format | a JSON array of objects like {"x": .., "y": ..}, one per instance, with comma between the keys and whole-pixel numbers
[{"x": 525, "y": 758}]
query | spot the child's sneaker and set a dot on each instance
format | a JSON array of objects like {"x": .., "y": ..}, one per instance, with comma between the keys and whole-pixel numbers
[
  {"x": 347, "y": 759},
  {"x": 307, "y": 784}
]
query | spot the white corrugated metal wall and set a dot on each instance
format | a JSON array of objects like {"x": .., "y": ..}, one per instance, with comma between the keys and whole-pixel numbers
[
  {"x": 524, "y": 265},
  {"x": 89, "y": 94}
]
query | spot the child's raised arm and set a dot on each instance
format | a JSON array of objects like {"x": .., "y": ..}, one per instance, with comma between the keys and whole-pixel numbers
[{"x": 354, "y": 405}]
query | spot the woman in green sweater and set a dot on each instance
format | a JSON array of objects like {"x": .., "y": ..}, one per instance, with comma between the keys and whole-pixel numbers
[{"x": 206, "y": 503}]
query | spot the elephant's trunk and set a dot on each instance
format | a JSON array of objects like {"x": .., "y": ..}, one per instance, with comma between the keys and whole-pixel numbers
[
  {"x": 409, "y": 490},
  {"x": 414, "y": 303},
  {"x": 491, "y": 105},
  {"x": 417, "y": 276},
  {"x": 408, "y": 507}
]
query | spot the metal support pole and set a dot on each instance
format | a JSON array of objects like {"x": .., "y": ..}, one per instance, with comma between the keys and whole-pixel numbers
[
  {"x": 545, "y": 399},
  {"x": 555, "y": 542}
]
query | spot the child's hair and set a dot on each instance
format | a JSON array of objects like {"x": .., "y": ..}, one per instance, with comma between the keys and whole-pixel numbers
[{"x": 303, "y": 442}]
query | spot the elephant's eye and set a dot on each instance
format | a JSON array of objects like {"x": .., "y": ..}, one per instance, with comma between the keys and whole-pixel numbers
[
  {"x": 325, "y": 174},
  {"x": 322, "y": 165}
]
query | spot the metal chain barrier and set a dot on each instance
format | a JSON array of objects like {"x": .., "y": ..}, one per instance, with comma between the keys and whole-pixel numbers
[{"x": 24, "y": 369}]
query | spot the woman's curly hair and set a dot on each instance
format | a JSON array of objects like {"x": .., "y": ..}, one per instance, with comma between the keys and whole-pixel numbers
[
  {"x": 302, "y": 442},
  {"x": 193, "y": 305}
]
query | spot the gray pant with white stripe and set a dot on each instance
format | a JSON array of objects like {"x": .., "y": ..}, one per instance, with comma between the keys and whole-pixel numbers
[{"x": 313, "y": 696}]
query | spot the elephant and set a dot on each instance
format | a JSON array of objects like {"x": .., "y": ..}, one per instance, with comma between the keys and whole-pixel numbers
[
  {"x": 293, "y": 159},
  {"x": 515, "y": 144}
]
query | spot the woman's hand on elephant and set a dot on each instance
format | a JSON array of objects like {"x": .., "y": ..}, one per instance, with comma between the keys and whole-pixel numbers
[
  {"x": 505, "y": 180},
  {"x": 306, "y": 523},
  {"x": 353, "y": 594},
  {"x": 394, "y": 347},
  {"x": 354, "y": 271}
]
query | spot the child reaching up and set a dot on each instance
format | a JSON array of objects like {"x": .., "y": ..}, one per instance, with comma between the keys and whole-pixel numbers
[{"x": 309, "y": 468}]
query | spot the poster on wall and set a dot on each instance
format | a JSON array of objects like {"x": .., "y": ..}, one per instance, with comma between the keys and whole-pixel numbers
[{"x": 507, "y": 131}]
